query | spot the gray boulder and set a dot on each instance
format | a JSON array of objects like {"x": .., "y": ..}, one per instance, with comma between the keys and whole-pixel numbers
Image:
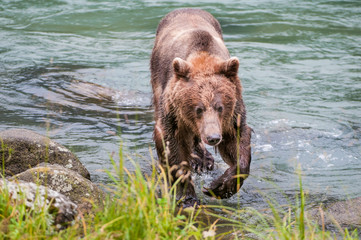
[
  {"x": 65, "y": 181},
  {"x": 36, "y": 196},
  {"x": 22, "y": 149}
]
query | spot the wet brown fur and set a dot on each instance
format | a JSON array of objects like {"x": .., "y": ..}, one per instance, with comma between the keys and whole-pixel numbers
[{"x": 190, "y": 70}]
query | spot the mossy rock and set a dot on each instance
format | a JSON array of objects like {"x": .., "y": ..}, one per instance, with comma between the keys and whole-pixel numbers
[
  {"x": 34, "y": 195},
  {"x": 22, "y": 149},
  {"x": 67, "y": 182}
]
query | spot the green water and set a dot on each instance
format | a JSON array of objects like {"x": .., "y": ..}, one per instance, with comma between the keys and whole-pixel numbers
[{"x": 78, "y": 71}]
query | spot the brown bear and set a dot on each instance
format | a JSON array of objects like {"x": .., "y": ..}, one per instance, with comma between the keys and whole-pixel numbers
[{"x": 197, "y": 97}]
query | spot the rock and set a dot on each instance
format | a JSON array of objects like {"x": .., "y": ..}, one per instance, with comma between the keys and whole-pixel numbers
[
  {"x": 65, "y": 181},
  {"x": 344, "y": 213},
  {"x": 36, "y": 195},
  {"x": 27, "y": 149}
]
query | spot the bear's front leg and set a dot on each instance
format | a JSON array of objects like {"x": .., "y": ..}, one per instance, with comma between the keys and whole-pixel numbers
[
  {"x": 239, "y": 159},
  {"x": 201, "y": 159},
  {"x": 174, "y": 154},
  {"x": 185, "y": 193}
]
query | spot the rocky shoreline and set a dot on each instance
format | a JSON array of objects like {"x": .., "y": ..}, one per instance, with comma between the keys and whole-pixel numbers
[{"x": 35, "y": 165}]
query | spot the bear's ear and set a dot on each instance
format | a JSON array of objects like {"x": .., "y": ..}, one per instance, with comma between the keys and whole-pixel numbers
[
  {"x": 181, "y": 68},
  {"x": 230, "y": 67}
]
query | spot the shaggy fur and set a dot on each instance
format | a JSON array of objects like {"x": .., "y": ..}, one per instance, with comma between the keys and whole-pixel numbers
[{"x": 197, "y": 97}]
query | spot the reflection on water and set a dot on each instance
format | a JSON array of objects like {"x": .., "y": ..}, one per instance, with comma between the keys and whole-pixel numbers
[
  {"x": 89, "y": 118},
  {"x": 79, "y": 73}
]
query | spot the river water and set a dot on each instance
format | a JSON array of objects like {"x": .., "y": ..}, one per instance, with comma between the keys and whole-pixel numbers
[{"x": 78, "y": 72}]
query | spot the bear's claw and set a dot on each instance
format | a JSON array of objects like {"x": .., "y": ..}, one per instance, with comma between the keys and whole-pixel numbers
[
  {"x": 202, "y": 162},
  {"x": 225, "y": 186}
]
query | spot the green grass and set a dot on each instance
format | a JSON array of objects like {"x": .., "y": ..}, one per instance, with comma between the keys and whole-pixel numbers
[
  {"x": 283, "y": 222},
  {"x": 144, "y": 207},
  {"x": 140, "y": 207}
]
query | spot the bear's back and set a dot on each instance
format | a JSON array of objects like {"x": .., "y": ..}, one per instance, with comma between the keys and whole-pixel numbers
[
  {"x": 185, "y": 16},
  {"x": 181, "y": 33}
]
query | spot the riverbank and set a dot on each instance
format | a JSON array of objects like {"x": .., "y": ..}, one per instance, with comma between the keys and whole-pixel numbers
[{"x": 138, "y": 206}]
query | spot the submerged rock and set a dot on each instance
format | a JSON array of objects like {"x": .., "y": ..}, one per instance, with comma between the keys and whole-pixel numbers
[
  {"x": 65, "y": 181},
  {"x": 22, "y": 149},
  {"x": 343, "y": 213},
  {"x": 36, "y": 196}
]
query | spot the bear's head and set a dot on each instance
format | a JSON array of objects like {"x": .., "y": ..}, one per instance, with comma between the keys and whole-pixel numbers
[{"x": 204, "y": 94}]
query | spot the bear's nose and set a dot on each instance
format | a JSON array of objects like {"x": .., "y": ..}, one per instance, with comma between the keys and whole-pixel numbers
[{"x": 214, "y": 139}]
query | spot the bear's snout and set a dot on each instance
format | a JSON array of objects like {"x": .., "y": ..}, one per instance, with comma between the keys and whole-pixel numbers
[
  {"x": 214, "y": 139},
  {"x": 211, "y": 131}
]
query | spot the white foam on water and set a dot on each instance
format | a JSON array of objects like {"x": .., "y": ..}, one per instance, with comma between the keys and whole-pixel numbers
[{"x": 264, "y": 147}]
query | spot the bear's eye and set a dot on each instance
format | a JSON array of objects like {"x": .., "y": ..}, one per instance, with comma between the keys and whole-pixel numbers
[
  {"x": 199, "y": 111},
  {"x": 220, "y": 109}
]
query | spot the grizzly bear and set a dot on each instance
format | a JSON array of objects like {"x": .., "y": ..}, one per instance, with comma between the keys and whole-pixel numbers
[{"x": 197, "y": 99}]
